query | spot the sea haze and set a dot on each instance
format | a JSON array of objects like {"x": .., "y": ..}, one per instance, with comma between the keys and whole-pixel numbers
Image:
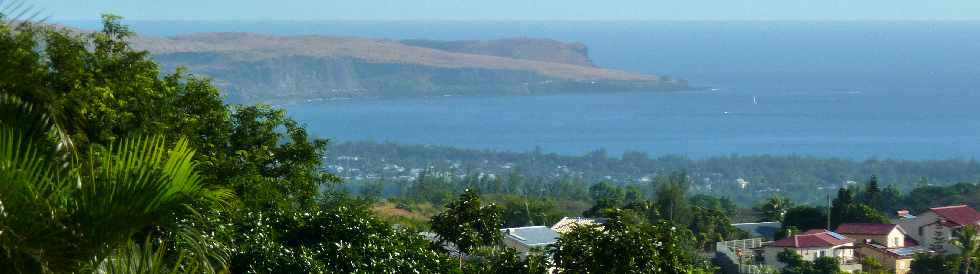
[{"x": 844, "y": 89}]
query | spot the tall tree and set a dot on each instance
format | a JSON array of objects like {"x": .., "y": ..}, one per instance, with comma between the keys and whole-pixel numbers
[
  {"x": 671, "y": 197},
  {"x": 774, "y": 209},
  {"x": 872, "y": 194},
  {"x": 622, "y": 246},
  {"x": 468, "y": 223},
  {"x": 605, "y": 196},
  {"x": 968, "y": 241},
  {"x": 805, "y": 218}
]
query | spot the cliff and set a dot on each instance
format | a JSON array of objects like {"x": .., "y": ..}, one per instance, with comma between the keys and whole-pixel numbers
[
  {"x": 544, "y": 50},
  {"x": 253, "y": 67}
]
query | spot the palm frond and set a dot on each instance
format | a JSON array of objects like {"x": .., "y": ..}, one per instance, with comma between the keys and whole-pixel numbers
[
  {"x": 148, "y": 258},
  {"x": 37, "y": 124},
  {"x": 139, "y": 184},
  {"x": 33, "y": 192},
  {"x": 17, "y": 13}
]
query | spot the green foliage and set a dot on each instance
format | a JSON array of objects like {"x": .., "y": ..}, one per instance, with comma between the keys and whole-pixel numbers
[
  {"x": 798, "y": 178},
  {"x": 926, "y": 196},
  {"x": 786, "y": 231},
  {"x": 968, "y": 242},
  {"x": 774, "y": 209},
  {"x": 805, "y": 218},
  {"x": 846, "y": 209},
  {"x": 492, "y": 260},
  {"x": 605, "y": 196},
  {"x": 467, "y": 223},
  {"x": 331, "y": 240},
  {"x": 928, "y": 263},
  {"x": 826, "y": 265},
  {"x": 870, "y": 265},
  {"x": 59, "y": 216},
  {"x": 796, "y": 265},
  {"x": 64, "y": 94},
  {"x": 671, "y": 197},
  {"x": 625, "y": 247},
  {"x": 522, "y": 211},
  {"x": 722, "y": 204},
  {"x": 711, "y": 226}
]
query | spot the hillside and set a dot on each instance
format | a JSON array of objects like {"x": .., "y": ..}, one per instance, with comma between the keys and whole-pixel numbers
[
  {"x": 544, "y": 50},
  {"x": 252, "y": 67}
]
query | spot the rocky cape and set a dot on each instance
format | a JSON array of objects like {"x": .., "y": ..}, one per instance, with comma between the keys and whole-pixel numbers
[{"x": 265, "y": 68}]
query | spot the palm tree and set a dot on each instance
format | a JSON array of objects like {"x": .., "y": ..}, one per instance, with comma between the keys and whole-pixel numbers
[
  {"x": 16, "y": 12},
  {"x": 62, "y": 213},
  {"x": 969, "y": 244}
]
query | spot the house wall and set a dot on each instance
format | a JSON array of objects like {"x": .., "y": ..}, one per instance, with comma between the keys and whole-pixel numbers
[
  {"x": 937, "y": 238},
  {"x": 771, "y": 254},
  {"x": 511, "y": 243},
  {"x": 911, "y": 226},
  {"x": 895, "y": 264},
  {"x": 894, "y": 239}
]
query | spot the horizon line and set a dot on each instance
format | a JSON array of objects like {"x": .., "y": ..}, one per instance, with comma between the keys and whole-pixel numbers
[{"x": 538, "y": 20}]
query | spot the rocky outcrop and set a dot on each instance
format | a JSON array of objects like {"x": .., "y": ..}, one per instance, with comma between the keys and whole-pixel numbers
[
  {"x": 544, "y": 50},
  {"x": 252, "y": 68}
]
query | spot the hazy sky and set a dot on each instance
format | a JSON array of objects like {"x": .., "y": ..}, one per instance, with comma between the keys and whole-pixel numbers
[{"x": 515, "y": 9}]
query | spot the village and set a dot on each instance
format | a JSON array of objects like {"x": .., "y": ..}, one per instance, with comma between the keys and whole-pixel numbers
[{"x": 893, "y": 246}]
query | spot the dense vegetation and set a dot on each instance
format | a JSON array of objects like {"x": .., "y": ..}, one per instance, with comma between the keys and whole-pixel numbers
[
  {"x": 109, "y": 165},
  {"x": 742, "y": 179}
]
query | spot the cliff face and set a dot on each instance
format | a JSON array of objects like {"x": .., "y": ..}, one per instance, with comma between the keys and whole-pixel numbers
[{"x": 252, "y": 68}]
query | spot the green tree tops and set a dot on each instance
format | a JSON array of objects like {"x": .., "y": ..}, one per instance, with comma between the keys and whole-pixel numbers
[
  {"x": 625, "y": 247},
  {"x": 468, "y": 223}
]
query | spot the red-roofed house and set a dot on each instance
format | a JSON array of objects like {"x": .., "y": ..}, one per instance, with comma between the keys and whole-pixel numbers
[
  {"x": 936, "y": 227},
  {"x": 814, "y": 244},
  {"x": 884, "y": 242},
  {"x": 889, "y": 235}
]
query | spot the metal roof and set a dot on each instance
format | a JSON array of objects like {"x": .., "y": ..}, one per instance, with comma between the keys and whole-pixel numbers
[{"x": 531, "y": 235}]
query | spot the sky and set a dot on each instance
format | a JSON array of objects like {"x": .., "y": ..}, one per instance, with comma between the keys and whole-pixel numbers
[{"x": 504, "y": 10}]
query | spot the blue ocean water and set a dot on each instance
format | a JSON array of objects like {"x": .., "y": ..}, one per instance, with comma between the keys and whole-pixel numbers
[{"x": 841, "y": 89}]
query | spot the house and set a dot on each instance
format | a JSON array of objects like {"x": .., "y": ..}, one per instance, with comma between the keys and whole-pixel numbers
[
  {"x": 523, "y": 239},
  {"x": 814, "y": 244},
  {"x": 884, "y": 242},
  {"x": 566, "y": 224},
  {"x": 889, "y": 235},
  {"x": 896, "y": 259},
  {"x": 764, "y": 229},
  {"x": 936, "y": 227}
]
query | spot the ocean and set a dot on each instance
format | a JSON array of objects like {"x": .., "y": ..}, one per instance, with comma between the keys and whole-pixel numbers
[{"x": 906, "y": 90}]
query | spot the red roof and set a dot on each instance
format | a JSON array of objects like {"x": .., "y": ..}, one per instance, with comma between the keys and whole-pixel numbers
[
  {"x": 958, "y": 215},
  {"x": 813, "y": 238},
  {"x": 866, "y": 229},
  {"x": 910, "y": 242}
]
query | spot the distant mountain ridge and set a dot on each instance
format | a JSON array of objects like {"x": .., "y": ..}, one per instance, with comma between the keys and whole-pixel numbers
[
  {"x": 536, "y": 49},
  {"x": 254, "y": 67}
]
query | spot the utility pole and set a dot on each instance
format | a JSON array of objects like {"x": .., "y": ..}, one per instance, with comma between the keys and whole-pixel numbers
[{"x": 828, "y": 211}]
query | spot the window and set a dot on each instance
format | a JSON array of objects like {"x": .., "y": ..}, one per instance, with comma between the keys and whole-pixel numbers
[
  {"x": 921, "y": 228},
  {"x": 823, "y": 253}
]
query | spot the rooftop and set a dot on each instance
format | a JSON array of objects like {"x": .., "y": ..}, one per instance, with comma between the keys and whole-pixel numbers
[
  {"x": 959, "y": 215},
  {"x": 531, "y": 235},
  {"x": 814, "y": 238},
  {"x": 866, "y": 229},
  {"x": 899, "y": 252}
]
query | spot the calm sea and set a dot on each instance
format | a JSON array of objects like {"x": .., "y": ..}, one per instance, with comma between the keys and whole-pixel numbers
[{"x": 906, "y": 90}]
